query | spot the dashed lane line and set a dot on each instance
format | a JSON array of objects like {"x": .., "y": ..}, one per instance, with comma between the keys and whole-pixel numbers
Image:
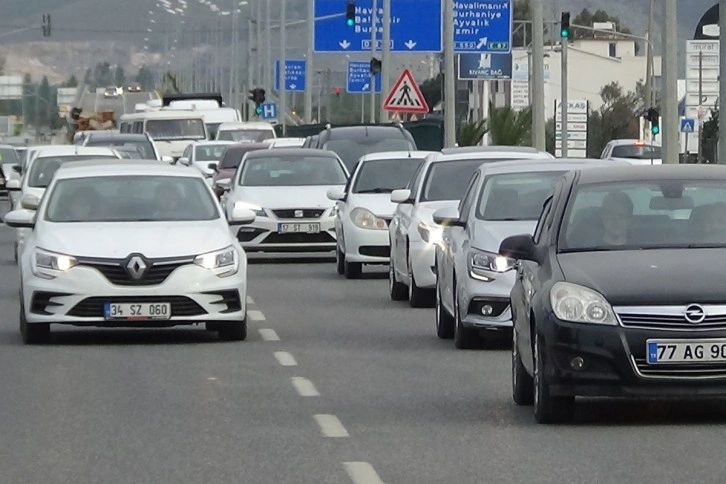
[
  {"x": 331, "y": 426},
  {"x": 362, "y": 473},
  {"x": 304, "y": 387},
  {"x": 255, "y": 315},
  {"x": 285, "y": 359},
  {"x": 268, "y": 334}
]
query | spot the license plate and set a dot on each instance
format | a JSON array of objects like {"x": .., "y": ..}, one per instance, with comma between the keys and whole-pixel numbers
[
  {"x": 137, "y": 311},
  {"x": 686, "y": 351},
  {"x": 311, "y": 228}
]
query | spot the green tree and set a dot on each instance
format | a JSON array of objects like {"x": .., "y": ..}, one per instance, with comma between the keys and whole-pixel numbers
[
  {"x": 709, "y": 134},
  {"x": 119, "y": 76},
  {"x": 509, "y": 127},
  {"x": 29, "y": 111},
  {"x": 587, "y": 19},
  {"x": 42, "y": 102},
  {"x": 145, "y": 77},
  {"x": 617, "y": 118},
  {"x": 71, "y": 82},
  {"x": 88, "y": 79},
  {"x": 102, "y": 75},
  {"x": 471, "y": 134},
  {"x": 431, "y": 90}
]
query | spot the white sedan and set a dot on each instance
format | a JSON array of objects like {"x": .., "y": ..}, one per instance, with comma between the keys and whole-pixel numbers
[
  {"x": 287, "y": 190},
  {"x": 364, "y": 208},
  {"x": 130, "y": 244}
]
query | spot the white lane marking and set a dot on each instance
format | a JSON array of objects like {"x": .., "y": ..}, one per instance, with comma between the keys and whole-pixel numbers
[
  {"x": 331, "y": 426},
  {"x": 285, "y": 359},
  {"x": 362, "y": 473},
  {"x": 212, "y": 378},
  {"x": 256, "y": 315},
  {"x": 304, "y": 387},
  {"x": 268, "y": 334},
  {"x": 250, "y": 300}
]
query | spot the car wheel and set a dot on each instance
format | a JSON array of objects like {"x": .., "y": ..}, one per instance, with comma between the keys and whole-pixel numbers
[
  {"x": 339, "y": 261},
  {"x": 444, "y": 321},
  {"x": 397, "y": 290},
  {"x": 548, "y": 409},
  {"x": 464, "y": 338},
  {"x": 418, "y": 297},
  {"x": 33, "y": 333},
  {"x": 353, "y": 270},
  {"x": 233, "y": 330},
  {"x": 522, "y": 382}
]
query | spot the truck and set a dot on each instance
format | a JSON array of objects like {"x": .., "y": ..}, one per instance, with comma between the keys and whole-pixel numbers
[{"x": 80, "y": 121}]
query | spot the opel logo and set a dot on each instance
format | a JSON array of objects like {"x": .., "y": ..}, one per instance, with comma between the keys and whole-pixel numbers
[
  {"x": 298, "y": 214},
  {"x": 695, "y": 314},
  {"x": 136, "y": 267}
]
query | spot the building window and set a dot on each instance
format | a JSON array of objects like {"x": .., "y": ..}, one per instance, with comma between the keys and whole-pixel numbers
[{"x": 612, "y": 46}]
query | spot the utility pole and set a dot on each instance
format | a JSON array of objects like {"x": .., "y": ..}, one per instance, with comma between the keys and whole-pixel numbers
[
  {"x": 386, "y": 61},
  {"x": 283, "y": 67},
  {"x": 449, "y": 78},
  {"x": 538, "y": 96},
  {"x": 252, "y": 66},
  {"x": 374, "y": 28},
  {"x": 700, "y": 100},
  {"x": 670, "y": 84},
  {"x": 268, "y": 48},
  {"x": 258, "y": 44},
  {"x": 721, "y": 155},
  {"x": 309, "y": 68},
  {"x": 649, "y": 66},
  {"x": 233, "y": 56}
]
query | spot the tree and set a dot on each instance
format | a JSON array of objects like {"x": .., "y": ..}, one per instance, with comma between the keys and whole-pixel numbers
[
  {"x": 88, "y": 79},
  {"x": 431, "y": 90},
  {"x": 102, "y": 75},
  {"x": 71, "y": 82},
  {"x": 145, "y": 77},
  {"x": 29, "y": 112},
  {"x": 471, "y": 134},
  {"x": 587, "y": 19},
  {"x": 43, "y": 100},
  {"x": 617, "y": 118},
  {"x": 119, "y": 76},
  {"x": 709, "y": 136},
  {"x": 508, "y": 127}
]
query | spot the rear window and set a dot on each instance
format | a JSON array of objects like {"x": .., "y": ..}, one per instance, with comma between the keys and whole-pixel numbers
[
  {"x": 233, "y": 156},
  {"x": 248, "y": 135},
  {"x": 637, "y": 152}
]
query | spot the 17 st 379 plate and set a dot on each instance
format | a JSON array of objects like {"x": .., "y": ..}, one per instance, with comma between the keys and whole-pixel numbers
[{"x": 685, "y": 351}]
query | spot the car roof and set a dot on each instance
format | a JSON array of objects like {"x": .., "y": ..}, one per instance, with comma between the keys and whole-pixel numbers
[
  {"x": 251, "y": 146},
  {"x": 394, "y": 155},
  {"x": 485, "y": 149},
  {"x": 347, "y": 131},
  {"x": 559, "y": 164},
  {"x": 66, "y": 150},
  {"x": 95, "y": 135},
  {"x": 623, "y": 173},
  {"x": 292, "y": 151},
  {"x": 215, "y": 142},
  {"x": 493, "y": 154},
  {"x": 93, "y": 168},
  {"x": 245, "y": 125},
  {"x": 620, "y": 142}
]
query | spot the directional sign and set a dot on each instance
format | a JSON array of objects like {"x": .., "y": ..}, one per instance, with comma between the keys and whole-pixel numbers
[
  {"x": 295, "y": 74},
  {"x": 416, "y": 26},
  {"x": 688, "y": 125},
  {"x": 269, "y": 111},
  {"x": 485, "y": 66},
  {"x": 406, "y": 97},
  {"x": 483, "y": 26},
  {"x": 359, "y": 78}
]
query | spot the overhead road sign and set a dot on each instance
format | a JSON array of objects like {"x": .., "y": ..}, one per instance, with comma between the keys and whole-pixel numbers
[
  {"x": 295, "y": 75},
  {"x": 406, "y": 97},
  {"x": 474, "y": 67},
  {"x": 483, "y": 26},
  {"x": 359, "y": 78},
  {"x": 416, "y": 26}
]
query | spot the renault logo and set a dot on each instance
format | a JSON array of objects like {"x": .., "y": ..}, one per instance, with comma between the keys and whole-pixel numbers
[
  {"x": 136, "y": 267},
  {"x": 298, "y": 214},
  {"x": 695, "y": 314}
]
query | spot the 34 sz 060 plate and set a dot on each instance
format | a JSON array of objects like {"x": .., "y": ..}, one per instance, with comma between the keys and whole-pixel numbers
[
  {"x": 685, "y": 351},
  {"x": 137, "y": 311}
]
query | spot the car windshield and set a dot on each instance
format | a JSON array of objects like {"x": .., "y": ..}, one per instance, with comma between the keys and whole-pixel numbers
[
  {"x": 291, "y": 170},
  {"x": 251, "y": 135},
  {"x": 383, "y": 176},
  {"x": 141, "y": 150},
  {"x": 209, "y": 152},
  {"x": 351, "y": 150},
  {"x": 131, "y": 199},
  {"x": 645, "y": 215},
  {"x": 515, "y": 196},
  {"x": 43, "y": 169},
  {"x": 232, "y": 157},
  {"x": 9, "y": 155},
  {"x": 637, "y": 152},
  {"x": 447, "y": 180},
  {"x": 171, "y": 129}
]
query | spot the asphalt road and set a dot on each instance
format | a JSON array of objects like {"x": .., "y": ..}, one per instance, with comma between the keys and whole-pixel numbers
[
  {"x": 125, "y": 103},
  {"x": 335, "y": 384}
]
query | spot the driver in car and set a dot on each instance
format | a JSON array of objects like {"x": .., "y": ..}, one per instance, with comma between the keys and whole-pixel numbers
[
  {"x": 616, "y": 213},
  {"x": 167, "y": 200}
]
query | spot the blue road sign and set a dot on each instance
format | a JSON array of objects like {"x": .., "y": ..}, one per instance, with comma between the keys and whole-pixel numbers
[
  {"x": 485, "y": 66},
  {"x": 269, "y": 111},
  {"x": 416, "y": 26},
  {"x": 483, "y": 26},
  {"x": 359, "y": 78},
  {"x": 688, "y": 125},
  {"x": 295, "y": 75}
]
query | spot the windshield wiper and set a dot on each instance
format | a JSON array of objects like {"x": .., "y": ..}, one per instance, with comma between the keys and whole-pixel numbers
[{"x": 376, "y": 190}]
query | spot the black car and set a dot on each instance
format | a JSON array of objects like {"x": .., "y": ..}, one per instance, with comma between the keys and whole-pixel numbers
[
  {"x": 350, "y": 143},
  {"x": 133, "y": 146},
  {"x": 621, "y": 290}
]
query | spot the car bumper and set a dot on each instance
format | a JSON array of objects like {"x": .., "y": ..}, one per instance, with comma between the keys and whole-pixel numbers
[
  {"x": 77, "y": 297},
  {"x": 615, "y": 363},
  {"x": 262, "y": 236},
  {"x": 423, "y": 259},
  {"x": 366, "y": 246},
  {"x": 492, "y": 298}
]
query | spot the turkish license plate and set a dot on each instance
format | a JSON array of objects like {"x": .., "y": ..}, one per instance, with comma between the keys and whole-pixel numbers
[
  {"x": 686, "y": 351},
  {"x": 311, "y": 228},
  {"x": 137, "y": 311}
]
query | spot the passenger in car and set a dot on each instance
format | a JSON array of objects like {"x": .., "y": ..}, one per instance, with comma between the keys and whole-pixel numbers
[{"x": 616, "y": 213}]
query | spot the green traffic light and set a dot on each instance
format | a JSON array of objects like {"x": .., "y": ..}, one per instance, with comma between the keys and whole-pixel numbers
[
  {"x": 564, "y": 33},
  {"x": 655, "y": 129},
  {"x": 258, "y": 110},
  {"x": 350, "y": 22}
]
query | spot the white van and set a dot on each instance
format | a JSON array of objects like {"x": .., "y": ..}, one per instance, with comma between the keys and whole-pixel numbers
[
  {"x": 172, "y": 130},
  {"x": 214, "y": 115},
  {"x": 254, "y": 132}
]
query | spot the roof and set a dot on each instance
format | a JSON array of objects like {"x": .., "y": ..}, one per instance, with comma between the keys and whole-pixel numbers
[
  {"x": 93, "y": 168},
  {"x": 65, "y": 150},
  {"x": 245, "y": 125},
  {"x": 624, "y": 173},
  {"x": 173, "y": 114},
  {"x": 394, "y": 155},
  {"x": 495, "y": 154},
  {"x": 620, "y": 142},
  {"x": 484, "y": 149},
  {"x": 369, "y": 130},
  {"x": 214, "y": 142},
  {"x": 95, "y": 135},
  {"x": 559, "y": 164},
  {"x": 249, "y": 146},
  {"x": 292, "y": 151}
]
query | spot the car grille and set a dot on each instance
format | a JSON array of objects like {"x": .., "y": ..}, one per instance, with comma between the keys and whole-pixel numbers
[
  {"x": 299, "y": 238},
  {"x": 92, "y": 307},
  {"x": 306, "y": 212},
  {"x": 375, "y": 250},
  {"x": 676, "y": 322},
  {"x": 702, "y": 371},
  {"x": 246, "y": 234},
  {"x": 115, "y": 270}
]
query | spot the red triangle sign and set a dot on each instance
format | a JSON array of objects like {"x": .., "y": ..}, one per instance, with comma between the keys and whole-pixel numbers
[{"x": 406, "y": 97}]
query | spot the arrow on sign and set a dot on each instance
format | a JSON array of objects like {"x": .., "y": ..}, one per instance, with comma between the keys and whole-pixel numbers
[
  {"x": 410, "y": 44},
  {"x": 293, "y": 86},
  {"x": 365, "y": 87},
  {"x": 482, "y": 42},
  {"x": 345, "y": 44}
]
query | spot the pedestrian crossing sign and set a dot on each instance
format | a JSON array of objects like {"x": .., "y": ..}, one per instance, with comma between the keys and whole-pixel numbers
[{"x": 406, "y": 97}]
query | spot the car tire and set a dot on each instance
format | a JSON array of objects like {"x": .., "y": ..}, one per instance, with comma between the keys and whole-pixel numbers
[
  {"x": 339, "y": 261},
  {"x": 464, "y": 338},
  {"x": 35, "y": 333},
  {"x": 444, "y": 321},
  {"x": 233, "y": 331},
  {"x": 522, "y": 382},
  {"x": 353, "y": 270},
  {"x": 418, "y": 297},
  {"x": 548, "y": 409},
  {"x": 397, "y": 290}
]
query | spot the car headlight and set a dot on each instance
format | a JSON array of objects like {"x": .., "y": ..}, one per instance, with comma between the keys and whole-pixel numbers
[
  {"x": 259, "y": 211},
  {"x": 430, "y": 233},
  {"x": 48, "y": 264},
  {"x": 365, "y": 219},
  {"x": 223, "y": 262},
  {"x": 482, "y": 264},
  {"x": 578, "y": 304}
]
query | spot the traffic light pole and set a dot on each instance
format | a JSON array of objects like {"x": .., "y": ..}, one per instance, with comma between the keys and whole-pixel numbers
[
  {"x": 564, "y": 100},
  {"x": 538, "y": 94},
  {"x": 310, "y": 64},
  {"x": 386, "y": 61},
  {"x": 282, "y": 71},
  {"x": 374, "y": 28},
  {"x": 670, "y": 83}
]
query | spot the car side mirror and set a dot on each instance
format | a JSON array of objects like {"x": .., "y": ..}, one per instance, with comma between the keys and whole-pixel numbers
[
  {"x": 519, "y": 247},
  {"x": 212, "y": 166},
  {"x": 167, "y": 159},
  {"x": 241, "y": 215},
  {"x": 13, "y": 185},
  {"x": 336, "y": 194},
  {"x": 29, "y": 202},
  {"x": 183, "y": 161},
  {"x": 224, "y": 184},
  {"x": 20, "y": 219},
  {"x": 401, "y": 196},
  {"x": 448, "y": 217}
]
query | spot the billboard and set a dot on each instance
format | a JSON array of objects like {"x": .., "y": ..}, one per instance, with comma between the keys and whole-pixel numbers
[
  {"x": 67, "y": 95},
  {"x": 11, "y": 87}
]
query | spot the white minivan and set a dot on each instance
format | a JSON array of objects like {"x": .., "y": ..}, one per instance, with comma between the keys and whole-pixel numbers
[
  {"x": 251, "y": 132},
  {"x": 171, "y": 129}
]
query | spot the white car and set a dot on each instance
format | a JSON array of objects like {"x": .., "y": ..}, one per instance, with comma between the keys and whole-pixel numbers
[
  {"x": 634, "y": 151},
  {"x": 439, "y": 183},
  {"x": 251, "y": 132},
  {"x": 364, "y": 208},
  {"x": 130, "y": 244},
  {"x": 204, "y": 156},
  {"x": 287, "y": 189}
]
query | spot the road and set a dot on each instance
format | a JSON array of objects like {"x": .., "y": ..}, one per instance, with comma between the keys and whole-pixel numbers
[
  {"x": 125, "y": 103},
  {"x": 335, "y": 384}
]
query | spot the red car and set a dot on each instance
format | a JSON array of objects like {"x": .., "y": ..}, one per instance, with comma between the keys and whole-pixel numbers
[{"x": 230, "y": 161}]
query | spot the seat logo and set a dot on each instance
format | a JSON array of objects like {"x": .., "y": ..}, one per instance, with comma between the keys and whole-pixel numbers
[
  {"x": 136, "y": 267},
  {"x": 695, "y": 314},
  {"x": 298, "y": 214}
]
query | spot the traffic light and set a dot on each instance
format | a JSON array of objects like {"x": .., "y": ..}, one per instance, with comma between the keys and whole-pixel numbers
[
  {"x": 653, "y": 116},
  {"x": 350, "y": 14},
  {"x": 257, "y": 96},
  {"x": 565, "y": 25},
  {"x": 376, "y": 66},
  {"x": 338, "y": 91},
  {"x": 46, "y": 25}
]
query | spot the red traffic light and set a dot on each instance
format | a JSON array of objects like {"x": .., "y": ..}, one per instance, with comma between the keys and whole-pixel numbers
[{"x": 338, "y": 91}]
